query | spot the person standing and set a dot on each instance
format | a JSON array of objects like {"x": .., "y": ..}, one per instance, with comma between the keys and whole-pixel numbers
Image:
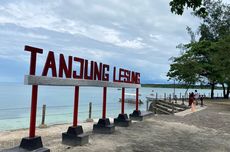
[
  {"x": 191, "y": 99},
  {"x": 196, "y": 97},
  {"x": 201, "y": 100}
]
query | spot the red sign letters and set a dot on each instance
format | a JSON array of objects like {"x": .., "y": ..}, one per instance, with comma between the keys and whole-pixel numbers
[{"x": 88, "y": 70}]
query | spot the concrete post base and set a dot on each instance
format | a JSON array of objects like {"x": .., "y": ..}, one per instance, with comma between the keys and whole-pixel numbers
[
  {"x": 75, "y": 136},
  {"x": 122, "y": 120},
  {"x": 138, "y": 115},
  {"x": 103, "y": 127},
  {"x": 29, "y": 144}
]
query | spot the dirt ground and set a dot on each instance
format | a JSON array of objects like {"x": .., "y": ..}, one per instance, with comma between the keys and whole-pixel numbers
[{"x": 205, "y": 130}]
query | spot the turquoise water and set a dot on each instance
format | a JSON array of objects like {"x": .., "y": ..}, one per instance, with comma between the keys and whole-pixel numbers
[{"x": 15, "y": 103}]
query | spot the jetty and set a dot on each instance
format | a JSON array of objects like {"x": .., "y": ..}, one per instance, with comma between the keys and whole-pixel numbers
[{"x": 167, "y": 106}]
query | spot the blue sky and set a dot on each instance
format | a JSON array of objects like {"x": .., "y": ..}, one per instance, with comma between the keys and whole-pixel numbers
[{"x": 137, "y": 35}]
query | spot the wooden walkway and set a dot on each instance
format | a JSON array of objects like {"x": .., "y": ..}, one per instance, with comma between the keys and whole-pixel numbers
[{"x": 166, "y": 106}]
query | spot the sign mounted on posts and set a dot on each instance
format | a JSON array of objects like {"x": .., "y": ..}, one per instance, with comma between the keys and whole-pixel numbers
[{"x": 65, "y": 70}]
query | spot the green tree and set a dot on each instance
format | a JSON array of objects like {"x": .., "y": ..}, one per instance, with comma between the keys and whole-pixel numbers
[
  {"x": 209, "y": 50},
  {"x": 182, "y": 70},
  {"x": 204, "y": 54},
  {"x": 215, "y": 26},
  {"x": 222, "y": 62},
  {"x": 195, "y": 65},
  {"x": 216, "y": 23},
  {"x": 177, "y": 6}
]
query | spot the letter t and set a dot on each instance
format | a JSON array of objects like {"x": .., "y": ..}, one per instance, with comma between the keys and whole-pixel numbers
[{"x": 33, "y": 57}]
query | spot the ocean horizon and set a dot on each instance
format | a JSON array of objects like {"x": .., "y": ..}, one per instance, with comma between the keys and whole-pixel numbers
[{"x": 15, "y": 101}]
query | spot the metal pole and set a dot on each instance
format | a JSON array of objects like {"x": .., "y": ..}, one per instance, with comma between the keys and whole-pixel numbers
[
  {"x": 123, "y": 101},
  {"x": 104, "y": 103},
  {"x": 76, "y": 101},
  {"x": 33, "y": 111},
  {"x": 137, "y": 93}
]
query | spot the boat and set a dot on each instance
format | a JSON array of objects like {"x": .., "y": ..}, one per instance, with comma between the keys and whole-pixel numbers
[{"x": 131, "y": 98}]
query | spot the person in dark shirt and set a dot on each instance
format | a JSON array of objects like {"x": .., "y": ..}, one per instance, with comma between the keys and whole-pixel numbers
[
  {"x": 201, "y": 100},
  {"x": 191, "y": 99},
  {"x": 196, "y": 97}
]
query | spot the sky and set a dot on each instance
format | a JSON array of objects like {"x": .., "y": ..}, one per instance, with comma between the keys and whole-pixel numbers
[{"x": 133, "y": 34}]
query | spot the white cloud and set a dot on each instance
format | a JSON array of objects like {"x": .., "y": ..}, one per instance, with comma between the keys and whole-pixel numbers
[
  {"x": 41, "y": 17},
  {"x": 141, "y": 35}
]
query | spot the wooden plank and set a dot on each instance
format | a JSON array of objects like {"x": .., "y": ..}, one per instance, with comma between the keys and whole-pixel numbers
[
  {"x": 51, "y": 81},
  {"x": 161, "y": 110}
]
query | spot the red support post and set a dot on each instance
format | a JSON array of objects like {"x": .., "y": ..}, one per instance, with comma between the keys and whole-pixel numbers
[
  {"x": 34, "y": 97},
  {"x": 137, "y": 95},
  {"x": 104, "y": 103},
  {"x": 33, "y": 111},
  {"x": 75, "y": 110},
  {"x": 123, "y": 101}
]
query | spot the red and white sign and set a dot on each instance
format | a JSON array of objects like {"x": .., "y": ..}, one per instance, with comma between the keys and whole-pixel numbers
[{"x": 78, "y": 68}]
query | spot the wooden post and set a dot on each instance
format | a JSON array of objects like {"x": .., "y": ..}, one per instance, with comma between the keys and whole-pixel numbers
[
  {"x": 147, "y": 105},
  {"x": 172, "y": 108},
  {"x": 182, "y": 100},
  {"x": 90, "y": 113},
  {"x": 90, "y": 110},
  {"x": 43, "y": 125},
  {"x": 170, "y": 100},
  {"x": 180, "y": 96},
  {"x": 165, "y": 97},
  {"x": 43, "y": 114},
  {"x": 156, "y": 95}
]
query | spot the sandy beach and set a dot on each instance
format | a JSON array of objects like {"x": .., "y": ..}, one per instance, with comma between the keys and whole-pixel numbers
[{"x": 205, "y": 130}]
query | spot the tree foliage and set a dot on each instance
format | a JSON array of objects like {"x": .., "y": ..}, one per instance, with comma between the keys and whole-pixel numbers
[
  {"x": 216, "y": 23},
  {"x": 177, "y": 6},
  {"x": 208, "y": 59},
  {"x": 222, "y": 63}
]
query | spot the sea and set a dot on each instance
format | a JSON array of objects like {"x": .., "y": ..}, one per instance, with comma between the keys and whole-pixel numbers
[{"x": 15, "y": 100}]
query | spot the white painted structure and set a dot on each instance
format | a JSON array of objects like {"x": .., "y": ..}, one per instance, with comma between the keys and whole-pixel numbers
[{"x": 52, "y": 81}]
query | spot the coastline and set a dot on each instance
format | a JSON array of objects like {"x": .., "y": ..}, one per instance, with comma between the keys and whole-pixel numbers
[
  {"x": 204, "y": 130},
  {"x": 177, "y": 86}
]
